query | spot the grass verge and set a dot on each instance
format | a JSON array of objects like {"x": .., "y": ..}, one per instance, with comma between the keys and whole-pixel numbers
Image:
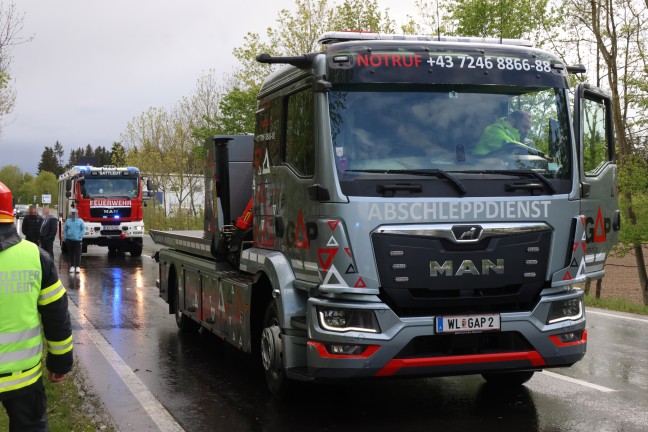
[
  {"x": 617, "y": 304},
  {"x": 70, "y": 406}
]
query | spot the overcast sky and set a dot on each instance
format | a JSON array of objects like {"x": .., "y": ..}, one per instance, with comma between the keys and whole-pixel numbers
[{"x": 95, "y": 65}]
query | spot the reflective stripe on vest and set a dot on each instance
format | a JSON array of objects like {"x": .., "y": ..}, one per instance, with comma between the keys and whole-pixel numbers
[
  {"x": 21, "y": 341},
  {"x": 7, "y": 338},
  {"x": 21, "y": 379}
]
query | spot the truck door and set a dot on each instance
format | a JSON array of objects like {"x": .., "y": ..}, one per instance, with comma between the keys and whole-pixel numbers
[{"x": 598, "y": 175}]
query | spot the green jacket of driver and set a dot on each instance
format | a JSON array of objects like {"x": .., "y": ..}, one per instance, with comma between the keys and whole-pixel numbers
[{"x": 495, "y": 135}]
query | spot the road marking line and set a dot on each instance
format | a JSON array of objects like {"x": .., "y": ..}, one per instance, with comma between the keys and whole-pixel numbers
[
  {"x": 149, "y": 403},
  {"x": 579, "y": 382},
  {"x": 589, "y": 311}
]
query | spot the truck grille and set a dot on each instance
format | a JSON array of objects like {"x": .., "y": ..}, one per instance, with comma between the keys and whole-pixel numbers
[
  {"x": 432, "y": 269},
  {"x": 106, "y": 212},
  {"x": 464, "y": 344}
]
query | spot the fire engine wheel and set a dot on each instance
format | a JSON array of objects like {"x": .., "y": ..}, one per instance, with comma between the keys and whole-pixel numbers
[
  {"x": 136, "y": 250},
  {"x": 508, "y": 379},
  {"x": 272, "y": 353}
]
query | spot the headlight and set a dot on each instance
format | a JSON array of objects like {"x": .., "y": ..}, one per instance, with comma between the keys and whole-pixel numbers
[
  {"x": 564, "y": 310},
  {"x": 344, "y": 320}
]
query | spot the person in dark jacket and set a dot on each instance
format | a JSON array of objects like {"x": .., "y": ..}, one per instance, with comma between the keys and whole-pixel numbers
[
  {"x": 31, "y": 225},
  {"x": 48, "y": 230},
  {"x": 33, "y": 314}
]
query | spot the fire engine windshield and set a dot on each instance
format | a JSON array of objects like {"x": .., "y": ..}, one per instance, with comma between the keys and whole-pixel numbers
[
  {"x": 457, "y": 129},
  {"x": 118, "y": 187}
]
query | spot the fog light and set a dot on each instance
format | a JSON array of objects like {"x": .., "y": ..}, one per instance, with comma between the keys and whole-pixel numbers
[
  {"x": 564, "y": 310},
  {"x": 571, "y": 337},
  {"x": 344, "y": 320},
  {"x": 346, "y": 349}
]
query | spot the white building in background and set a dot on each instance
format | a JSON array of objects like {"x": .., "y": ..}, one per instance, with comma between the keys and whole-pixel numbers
[{"x": 168, "y": 194}]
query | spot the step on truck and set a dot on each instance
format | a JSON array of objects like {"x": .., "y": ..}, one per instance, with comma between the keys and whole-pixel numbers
[
  {"x": 110, "y": 201},
  {"x": 386, "y": 238}
]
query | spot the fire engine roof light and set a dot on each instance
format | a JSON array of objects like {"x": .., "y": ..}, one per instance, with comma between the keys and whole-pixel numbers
[{"x": 335, "y": 37}]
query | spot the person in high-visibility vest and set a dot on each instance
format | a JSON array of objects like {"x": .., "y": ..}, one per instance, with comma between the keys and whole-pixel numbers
[{"x": 33, "y": 313}]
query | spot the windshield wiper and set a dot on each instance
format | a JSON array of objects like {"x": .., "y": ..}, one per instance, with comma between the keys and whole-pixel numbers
[
  {"x": 528, "y": 173},
  {"x": 428, "y": 172}
]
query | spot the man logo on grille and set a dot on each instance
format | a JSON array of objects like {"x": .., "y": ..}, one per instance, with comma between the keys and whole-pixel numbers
[{"x": 465, "y": 233}]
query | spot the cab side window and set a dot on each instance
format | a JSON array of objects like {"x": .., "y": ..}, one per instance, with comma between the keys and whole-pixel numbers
[
  {"x": 300, "y": 145},
  {"x": 595, "y": 144}
]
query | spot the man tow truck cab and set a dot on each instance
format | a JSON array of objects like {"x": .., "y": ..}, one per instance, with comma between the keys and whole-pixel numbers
[{"x": 382, "y": 243}]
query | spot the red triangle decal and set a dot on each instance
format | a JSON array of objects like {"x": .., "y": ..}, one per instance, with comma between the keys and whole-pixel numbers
[
  {"x": 330, "y": 254},
  {"x": 301, "y": 238},
  {"x": 599, "y": 228}
]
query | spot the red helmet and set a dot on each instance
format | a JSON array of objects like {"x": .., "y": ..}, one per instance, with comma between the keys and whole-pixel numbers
[{"x": 6, "y": 204}]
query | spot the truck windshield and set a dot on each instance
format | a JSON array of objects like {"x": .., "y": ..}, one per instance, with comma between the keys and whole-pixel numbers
[
  {"x": 109, "y": 187},
  {"x": 457, "y": 129}
]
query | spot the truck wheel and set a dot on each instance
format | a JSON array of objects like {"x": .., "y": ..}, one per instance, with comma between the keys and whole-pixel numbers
[
  {"x": 508, "y": 379},
  {"x": 136, "y": 250},
  {"x": 272, "y": 353},
  {"x": 184, "y": 323}
]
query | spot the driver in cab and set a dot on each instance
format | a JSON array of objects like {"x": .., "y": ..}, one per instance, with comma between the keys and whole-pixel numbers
[{"x": 511, "y": 129}]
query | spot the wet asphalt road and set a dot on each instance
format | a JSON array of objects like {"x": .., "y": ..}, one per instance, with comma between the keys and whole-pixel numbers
[{"x": 151, "y": 377}]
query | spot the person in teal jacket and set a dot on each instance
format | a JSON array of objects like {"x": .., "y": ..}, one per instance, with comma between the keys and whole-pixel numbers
[
  {"x": 73, "y": 231},
  {"x": 511, "y": 129}
]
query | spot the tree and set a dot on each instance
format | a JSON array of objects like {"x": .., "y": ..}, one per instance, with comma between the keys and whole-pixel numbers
[
  {"x": 11, "y": 24},
  {"x": 118, "y": 155},
  {"x": 620, "y": 34},
  {"x": 144, "y": 138},
  {"x": 294, "y": 33},
  {"x": 362, "y": 15},
  {"x": 12, "y": 177},
  {"x": 102, "y": 156},
  {"x": 513, "y": 19},
  {"x": 75, "y": 158},
  {"x": 46, "y": 183},
  {"x": 49, "y": 162}
]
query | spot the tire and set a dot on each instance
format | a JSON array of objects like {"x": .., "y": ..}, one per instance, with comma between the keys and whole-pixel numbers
[
  {"x": 184, "y": 323},
  {"x": 508, "y": 379},
  {"x": 271, "y": 351},
  {"x": 136, "y": 250}
]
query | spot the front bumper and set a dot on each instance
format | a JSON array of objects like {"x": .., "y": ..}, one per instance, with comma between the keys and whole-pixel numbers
[
  {"x": 113, "y": 235},
  {"x": 411, "y": 347}
]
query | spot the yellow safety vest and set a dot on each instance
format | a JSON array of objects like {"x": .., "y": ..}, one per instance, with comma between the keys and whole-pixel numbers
[{"x": 21, "y": 340}]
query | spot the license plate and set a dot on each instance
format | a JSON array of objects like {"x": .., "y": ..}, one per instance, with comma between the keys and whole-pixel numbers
[{"x": 467, "y": 323}]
